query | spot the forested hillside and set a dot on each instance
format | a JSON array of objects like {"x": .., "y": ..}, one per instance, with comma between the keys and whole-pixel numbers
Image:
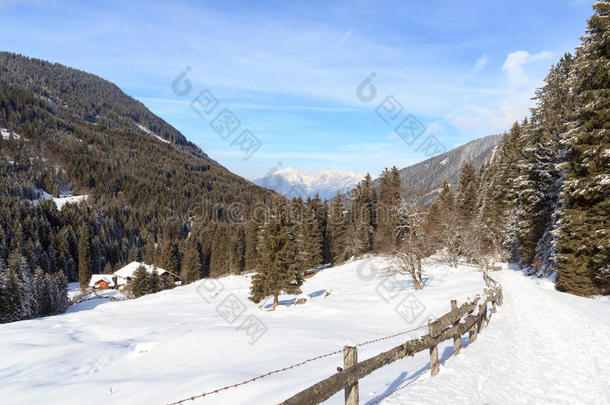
[
  {"x": 68, "y": 131},
  {"x": 428, "y": 176}
]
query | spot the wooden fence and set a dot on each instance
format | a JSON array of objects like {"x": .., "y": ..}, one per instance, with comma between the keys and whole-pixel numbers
[{"x": 452, "y": 325}]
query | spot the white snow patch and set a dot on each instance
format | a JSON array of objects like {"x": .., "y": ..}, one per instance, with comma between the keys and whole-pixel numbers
[
  {"x": 6, "y": 134},
  {"x": 73, "y": 199},
  {"x": 73, "y": 290},
  {"x": 151, "y": 133},
  {"x": 64, "y": 198}
]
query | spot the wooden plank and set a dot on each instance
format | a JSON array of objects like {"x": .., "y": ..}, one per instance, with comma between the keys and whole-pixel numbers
[{"x": 350, "y": 358}]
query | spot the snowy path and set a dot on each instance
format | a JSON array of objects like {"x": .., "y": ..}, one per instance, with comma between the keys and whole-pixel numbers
[{"x": 542, "y": 347}]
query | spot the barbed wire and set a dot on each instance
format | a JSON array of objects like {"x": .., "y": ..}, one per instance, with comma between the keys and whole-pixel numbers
[
  {"x": 391, "y": 336},
  {"x": 279, "y": 370}
]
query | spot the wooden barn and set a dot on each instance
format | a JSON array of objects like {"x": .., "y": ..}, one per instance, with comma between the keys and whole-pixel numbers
[{"x": 103, "y": 281}]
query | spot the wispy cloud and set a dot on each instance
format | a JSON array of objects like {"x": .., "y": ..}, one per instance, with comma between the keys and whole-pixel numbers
[
  {"x": 518, "y": 88},
  {"x": 480, "y": 64}
]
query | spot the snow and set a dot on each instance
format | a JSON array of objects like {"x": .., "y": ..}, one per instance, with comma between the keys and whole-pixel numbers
[
  {"x": 444, "y": 162},
  {"x": 6, "y": 134},
  {"x": 73, "y": 199},
  {"x": 101, "y": 277},
  {"x": 74, "y": 290},
  {"x": 151, "y": 133},
  {"x": 94, "y": 299},
  {"x": 541, "y": 347},
  {"x": 292, "y": 183},
  {"x": 128, "y": 271},
  {"x": 64, "y": 198}
]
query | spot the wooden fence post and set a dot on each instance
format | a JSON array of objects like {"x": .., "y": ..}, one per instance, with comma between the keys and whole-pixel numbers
[
  {"x": 472, "y": 334},
  {"x": 483, "y": 320},
  {"x": 350, "y": 358},
  {"x": 457, "y": 340},
  {"x": 433, "y": 352}
]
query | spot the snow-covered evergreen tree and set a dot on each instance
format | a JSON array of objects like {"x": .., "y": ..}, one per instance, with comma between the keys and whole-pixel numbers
[
  {"x": 583, "y": 234},
  {"x": 539, "y": 181}
]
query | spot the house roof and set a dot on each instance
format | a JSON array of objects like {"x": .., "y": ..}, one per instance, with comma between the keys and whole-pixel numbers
[
  {"x": 95, "y": 278},
  {"x": 131, "y": 268}
]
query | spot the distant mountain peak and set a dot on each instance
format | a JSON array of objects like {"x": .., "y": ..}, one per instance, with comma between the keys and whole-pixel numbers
[{"x": 292, "y": 183}]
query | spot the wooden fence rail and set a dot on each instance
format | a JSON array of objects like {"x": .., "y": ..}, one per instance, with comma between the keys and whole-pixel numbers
[{"x": 452, "y": 325}]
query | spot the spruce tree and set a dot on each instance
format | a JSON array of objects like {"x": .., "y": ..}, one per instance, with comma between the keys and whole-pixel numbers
[
  {"x": 238, "y": 249},
  {"x": 363, "y": 212},
  {"x": 278, "y": 270},
  {"x": 191, "y": 265},
  {"x": 337, "y": 229},
  {"x": 539, "y": 179},
  {"x": 170, "y": 257},
  {"x": 388, "y": 200},
  {"x": 83, "y": 257},
  {"x": 448, "y": 224},
  {"x": 155, "y": 284},
  {"x": 466, "y": 193},
  {"x": 251, "y": 255},
  {"x": 583, "y": 235},
  {"x": 312, "y": 229},
  {"x": 140, "y": 284}
]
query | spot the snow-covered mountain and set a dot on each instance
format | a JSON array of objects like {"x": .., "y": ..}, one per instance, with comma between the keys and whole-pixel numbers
[{"x": 292, "y": 183}]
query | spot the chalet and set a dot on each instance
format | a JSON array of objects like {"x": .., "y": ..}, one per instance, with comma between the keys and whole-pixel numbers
[
  {"x": 103, "y": 281},
  {"x": 124, "y": 275}
]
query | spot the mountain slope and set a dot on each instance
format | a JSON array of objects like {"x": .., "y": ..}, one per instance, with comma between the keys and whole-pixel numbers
[
  {"x": 430, "y": 174},
  {"x": 107, "y": 141},
  {"x": 148, "y": 187},
  {"x": 83, "y": 96},
  {"x": 291, "y": 183}
]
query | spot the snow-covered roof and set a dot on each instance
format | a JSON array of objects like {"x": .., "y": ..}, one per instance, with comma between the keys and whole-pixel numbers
[
  {"x": 131, "y": 268},
  {"x": 101, "y": 277}
]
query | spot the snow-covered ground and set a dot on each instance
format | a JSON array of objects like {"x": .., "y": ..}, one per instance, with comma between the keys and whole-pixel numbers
[
  {"x": 151, "y": 133},
  {"x": 6, "y": 134},
  {"x": 541, "y": 347},
  {"x": 74, "y": 199},
  {"x": 64, "y": 198}
]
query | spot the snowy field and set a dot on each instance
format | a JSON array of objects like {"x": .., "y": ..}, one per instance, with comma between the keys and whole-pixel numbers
[{"x": 541, "y": 347}]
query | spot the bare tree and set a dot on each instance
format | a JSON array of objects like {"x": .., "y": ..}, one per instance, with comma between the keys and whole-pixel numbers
[
  {"x": 412, "y": 239},
  {"x": 481, "y": 244}
]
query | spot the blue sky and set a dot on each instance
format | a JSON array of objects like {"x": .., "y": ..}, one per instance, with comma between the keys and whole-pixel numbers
[{"x": 289, "y": 70}]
